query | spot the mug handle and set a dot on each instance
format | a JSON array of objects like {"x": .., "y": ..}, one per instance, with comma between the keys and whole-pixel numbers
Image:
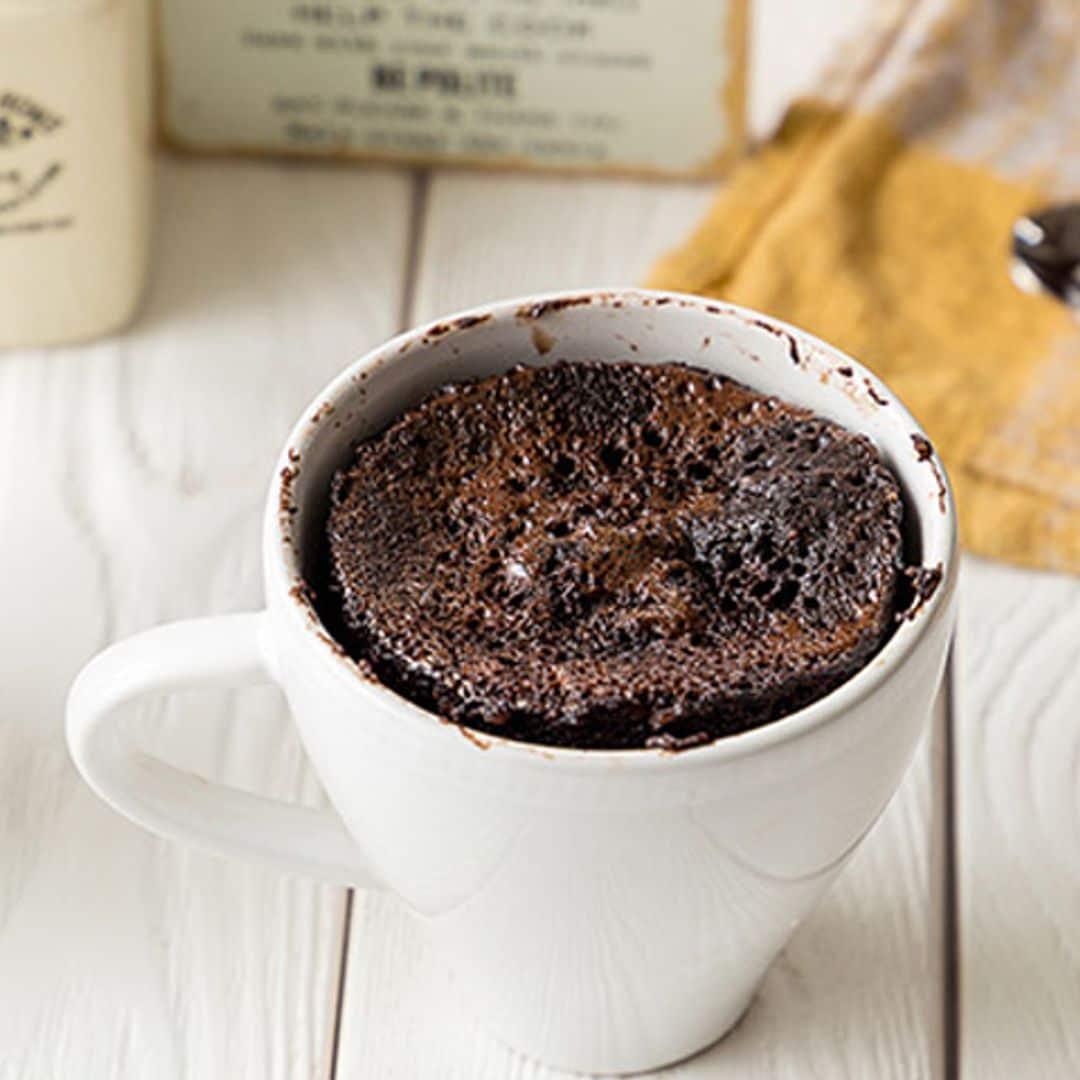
[{"x": 224, "y": 650}]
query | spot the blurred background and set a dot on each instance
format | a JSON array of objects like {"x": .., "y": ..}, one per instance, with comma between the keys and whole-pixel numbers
[{"x": 209, "y": 207}]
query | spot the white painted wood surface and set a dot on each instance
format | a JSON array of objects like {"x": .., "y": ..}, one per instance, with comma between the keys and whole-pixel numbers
[
  {"x": 138, "y": 466},
  {"x": 134, "y": 491},
  {"x": 1018, "y": 823}
]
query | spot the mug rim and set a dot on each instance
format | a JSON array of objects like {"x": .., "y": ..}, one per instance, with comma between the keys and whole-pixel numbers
[{"x": 284, "y": 574}]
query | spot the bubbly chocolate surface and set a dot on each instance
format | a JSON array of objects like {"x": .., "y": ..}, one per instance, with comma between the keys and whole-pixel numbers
[{"x": 612, "y": 555}]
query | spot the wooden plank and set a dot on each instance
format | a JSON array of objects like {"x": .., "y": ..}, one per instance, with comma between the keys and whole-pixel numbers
[
  {"x": 136, "y": 472},
  {"x": 490, "y": 236},
  {"x": 1018, "y": 823},
  {"x": 856, "y": 993}
]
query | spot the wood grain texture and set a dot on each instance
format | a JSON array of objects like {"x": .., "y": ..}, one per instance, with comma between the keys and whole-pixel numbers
[
  {"x": 1018, "y": 816},
  {"x": 855, "y": 994},
  {"x": 136, "y": 473},
  {"x": 489, "y": 236}
]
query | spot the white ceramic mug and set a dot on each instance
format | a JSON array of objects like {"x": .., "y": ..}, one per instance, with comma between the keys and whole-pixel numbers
[{"x": 608, "y": 910}]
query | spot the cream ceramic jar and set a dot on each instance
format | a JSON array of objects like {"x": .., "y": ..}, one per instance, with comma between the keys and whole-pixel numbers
[{"x": 75, "y": 167}]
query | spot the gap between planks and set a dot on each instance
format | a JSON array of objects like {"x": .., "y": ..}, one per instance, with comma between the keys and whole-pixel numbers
[{"x": 943, "y": 871}]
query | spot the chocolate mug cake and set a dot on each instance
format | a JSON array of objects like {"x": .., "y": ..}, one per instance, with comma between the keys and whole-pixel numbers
[{"x": 612, "y": 555}]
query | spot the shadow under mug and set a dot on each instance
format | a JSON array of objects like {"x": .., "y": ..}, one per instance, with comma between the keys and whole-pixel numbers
[{"x": 607, "y": 911}]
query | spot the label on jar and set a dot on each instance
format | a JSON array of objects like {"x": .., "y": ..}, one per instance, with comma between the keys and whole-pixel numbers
[
  {"x": 632, "y": 85},
  {"x": 31, "y": 167}
]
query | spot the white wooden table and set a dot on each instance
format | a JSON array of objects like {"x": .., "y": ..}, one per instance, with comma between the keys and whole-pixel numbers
[{"x": 137, "y": 465}]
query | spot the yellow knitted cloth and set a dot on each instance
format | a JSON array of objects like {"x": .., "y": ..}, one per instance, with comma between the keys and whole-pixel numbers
[{"x": 879, "y": 224}]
